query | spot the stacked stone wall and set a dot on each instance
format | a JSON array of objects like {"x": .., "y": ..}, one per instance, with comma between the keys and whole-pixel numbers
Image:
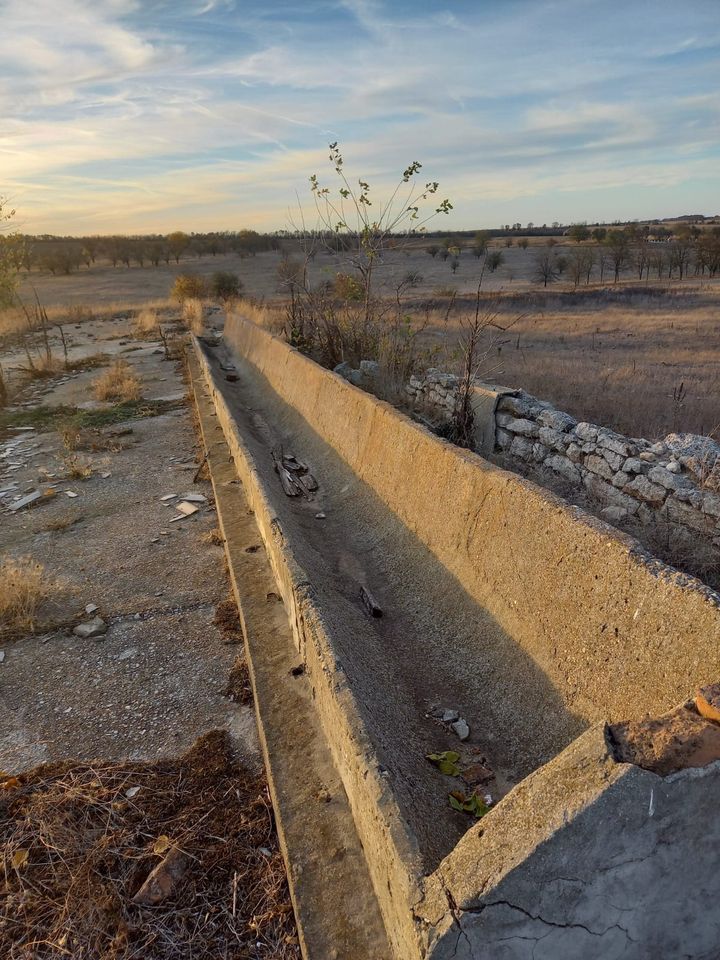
[{"x": 674, "y": 480}]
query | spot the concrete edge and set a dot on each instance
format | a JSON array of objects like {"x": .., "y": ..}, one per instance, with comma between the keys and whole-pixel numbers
[
  {"x": 390, "y": 850},
  {"x": 336, "y": 910}
]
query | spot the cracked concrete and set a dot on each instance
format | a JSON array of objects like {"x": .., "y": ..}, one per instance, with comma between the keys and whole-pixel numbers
[{"x": 155, "y": 681}]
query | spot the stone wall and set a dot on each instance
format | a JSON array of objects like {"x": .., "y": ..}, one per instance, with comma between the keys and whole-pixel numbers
[{"x": 675, "y": 480}]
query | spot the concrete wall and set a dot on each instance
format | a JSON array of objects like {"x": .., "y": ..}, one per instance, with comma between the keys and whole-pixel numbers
[
  {"x": 675, "y": 480},
  {"x": 618, "y": 633},
  {"x": 586, "y": 857}
]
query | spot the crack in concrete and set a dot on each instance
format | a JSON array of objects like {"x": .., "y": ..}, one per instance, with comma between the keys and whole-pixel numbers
[{"x": 551, "y": 923}]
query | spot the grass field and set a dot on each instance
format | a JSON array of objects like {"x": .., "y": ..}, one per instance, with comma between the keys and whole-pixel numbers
[{"x": 640, "y": 357}]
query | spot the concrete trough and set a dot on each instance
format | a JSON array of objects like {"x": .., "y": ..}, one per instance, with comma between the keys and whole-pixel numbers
[{"x": 534, "y": 622}]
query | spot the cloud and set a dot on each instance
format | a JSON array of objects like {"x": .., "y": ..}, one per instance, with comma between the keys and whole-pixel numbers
[{"x": 121, "y": 112}]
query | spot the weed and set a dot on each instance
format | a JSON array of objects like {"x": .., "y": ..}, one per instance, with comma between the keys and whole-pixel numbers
[
  {"x": 194, "y": 315},
  {"x": 25, "y": 585},
  {"x": 146, "y": 325},
  {"x": 118, "y": 383}
]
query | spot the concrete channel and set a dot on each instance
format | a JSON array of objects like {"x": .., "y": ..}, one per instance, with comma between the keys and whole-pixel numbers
[{"x": 535, "y": 623}]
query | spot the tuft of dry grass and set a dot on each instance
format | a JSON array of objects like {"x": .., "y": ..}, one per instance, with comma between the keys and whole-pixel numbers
[
  {"x": 118, "y": 384},
  {"x": 193, "y": 313},
  {"x": 24, "y": 585},
  {"x": 81, "y": 839},
  {"x": 146, "y": 325},
  {"x": 271, "y": 316}
]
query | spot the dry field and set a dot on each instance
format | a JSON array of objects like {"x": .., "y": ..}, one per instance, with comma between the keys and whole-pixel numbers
[{"x": 638, "y": 357}]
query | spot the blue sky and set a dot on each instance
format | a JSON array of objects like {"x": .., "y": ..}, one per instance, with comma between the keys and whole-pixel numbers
[{"x": 134, "y": 116}]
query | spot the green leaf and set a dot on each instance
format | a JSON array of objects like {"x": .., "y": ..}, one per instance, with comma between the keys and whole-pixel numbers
[
  {"x": 455, "y": 804},
  {"x": 446, "y": 762}
]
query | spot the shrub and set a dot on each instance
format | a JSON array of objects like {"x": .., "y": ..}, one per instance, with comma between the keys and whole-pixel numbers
[
  {"x": 188, "y": 286},
  {"x": 225, "y": 285},
  {"x": 348, "y": 287}
]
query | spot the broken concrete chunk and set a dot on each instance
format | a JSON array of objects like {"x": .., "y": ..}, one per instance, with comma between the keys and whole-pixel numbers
[
  {"x": 193, "y": 498},
  {"x": 26, "y": 501},
  {"x": 91, "y": 628},
  {"x": 461, "y": 728},
  {"x": 168, "y": 496},
  {"x": 71, "y": 494},
  {"x": 675, "y": 741},
  {"x": 187, "y": 509}
]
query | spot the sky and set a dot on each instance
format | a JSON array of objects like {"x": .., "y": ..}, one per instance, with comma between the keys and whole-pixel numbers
[{"x": 135, "y": 116}]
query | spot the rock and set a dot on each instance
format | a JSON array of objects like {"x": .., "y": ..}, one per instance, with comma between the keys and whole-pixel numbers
[
  {"x": 185, "y": 508},
  {"x": 698, "y": 454},
  {"x": 642, "y": 488},
  {"x": 659, "y": 449},
  {"x": 461, "y": 728},
  {"x": 521, "y": 448},
  {"x": 90, "y": 609},
  {"x": 2, "y": 655},
  {"x": 600, "y": 466},
  {"x": 193, "y": 498},
  {"x": 540, "y": 451},
  {"x": 565, "y": 468},
  {"x": 586, "y": 431},
  {"x": 674, "y": 467},
  {"x": 449, "y": 716},
  {"x": 354, "y": 377},
  {"x": 557, "y": 420},
  {"x": 519, "y": 405},
  {"x": 633, "y": 465},
  {"x": 620, "y": 479},
  {"x": 525, "y": 428},
  {"x": 666, "y": 479},
  {"x": 553, "y": 438},
  {"x": 91, "y": 628},
  {"x": 163, "y": 879},
  {"x": 614, "y": 514},
  {"x": 370, "y": 369},
  {"x": 319, "y": 516},
  {"x": 687, "y": 516},
  {"x": 574, "y": 453},
  {"x": 711, "y": 504},
  {"x": 614, "y": 459},
  {"x": 647, "y": 457},
  {"x": 615, "y": 443}
]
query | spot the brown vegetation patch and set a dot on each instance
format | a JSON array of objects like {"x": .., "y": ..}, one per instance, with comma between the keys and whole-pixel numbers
[
  {"x": 118, "y": 383},
  {"x": 81, "y": 839},
  {"x": 24, "y": 585}
]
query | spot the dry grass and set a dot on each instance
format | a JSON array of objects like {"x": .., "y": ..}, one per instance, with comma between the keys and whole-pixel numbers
[
  {"x": 118, "y": 384},
  {"x": 609, "y": 362},
  {"x": 24, "y": 585},
  {"x": 271, "y": 316},
  {"x": 80, "y": 840},
  {"x": 193, "y": 313},
  {"x": 146, "y": 325}
]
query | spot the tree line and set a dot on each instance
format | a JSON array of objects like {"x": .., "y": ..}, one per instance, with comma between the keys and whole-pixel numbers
[{"x": 65, "y": 255}]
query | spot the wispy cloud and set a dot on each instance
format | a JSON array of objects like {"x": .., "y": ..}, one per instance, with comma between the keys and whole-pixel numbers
[{"x": 121, "y": 114}]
